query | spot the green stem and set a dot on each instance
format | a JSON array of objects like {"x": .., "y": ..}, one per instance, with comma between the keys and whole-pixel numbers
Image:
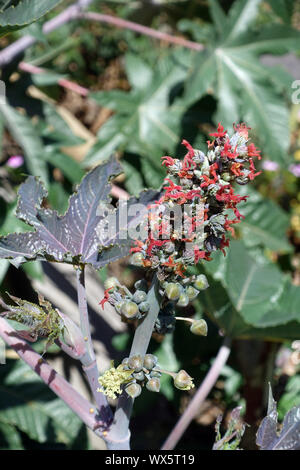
[
  {"x": 89, "y": 364},
  {"x": 120, "y": 428}
]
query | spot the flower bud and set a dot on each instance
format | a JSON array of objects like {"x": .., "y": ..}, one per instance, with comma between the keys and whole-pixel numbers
[
  {"x": 201, "y": 282},
  {"x": 150, "y": 361},
  {"x": 139, "y": 296},
  {"x": 144, "y": 307},
  {"x": 133, "y": 390},
  {"x": 169, "y": 247},
  {"x": 118, "y": 306},
  {"x": 191, "y": 292},
  {"x": 136, "y": 363},
  {"x": 183, "y": 381},
  {"x": 129, "y": 309},
  {"x": 125, "y": 362},
  {"x": 140, "y": 376},
  {"x": 173, "y": 290},
  {"x": 153, "y": 384},
  {"x": 111, "y": 283},
  {"x": 137, "y": 259},
  {"x": 199, "y": 327},
  {"x": 155, "y": 373},
  {"x": 183, "y": 300}
]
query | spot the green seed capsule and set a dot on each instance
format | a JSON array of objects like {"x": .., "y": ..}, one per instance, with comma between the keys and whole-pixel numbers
[
  {"x": 125, "y": 362},
  {"x": 199, "y": 327},
  {"x": 144, "y": 307},
  {"x": 118, "y": 306},
  {"x": 155, "y": 373},
  {"x": 150, "y": 361},
  {"x": 137, "y": 259},
  {"x": 183, "y": 300},
  {"x": 226, "y": 176},
  {"x": 183, "y": 380},
  {"x": 133, "y": 390},
  {"x": 139, "y": 296},
  {"x": 111, "y": 283},
  {"x": 140, "y": 376},
  {"x": 153, "y": 384},
  {"x": 191, "y": 292},
  {"x": 129, "y": 309},
  {"x": 201, "y": 282},
  {"x": 173, "y": 291},
  {"x": 136, "y": 363}
]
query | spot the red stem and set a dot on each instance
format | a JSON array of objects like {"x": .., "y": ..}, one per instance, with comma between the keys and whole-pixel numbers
[
  {"x": 62, "y": 81},
  {"x": 138, "y": 28},
  {"x": 200, "y": 396},
  {"x": 82, "y": 407}
]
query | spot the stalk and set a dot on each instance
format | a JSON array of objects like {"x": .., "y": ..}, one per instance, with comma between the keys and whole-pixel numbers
[
  {"x": 89, "y": 363},
  {"x": 119, "y": 431},
  {"x": 200, "y": 396},
  {"x": 82, "y": 407}
]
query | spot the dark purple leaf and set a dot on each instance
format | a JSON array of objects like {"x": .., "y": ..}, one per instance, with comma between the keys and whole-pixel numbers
[
  {"x": 75, "y": 237},
  {"x": 289, "y": 437}
]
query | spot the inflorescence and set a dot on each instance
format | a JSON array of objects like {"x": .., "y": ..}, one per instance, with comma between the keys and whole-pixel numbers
[{"x": 202, "y": 184}]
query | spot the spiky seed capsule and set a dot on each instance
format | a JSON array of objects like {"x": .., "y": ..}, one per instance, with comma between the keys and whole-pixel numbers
[
  {"x": 139, "y": 296},
  {"x": 183, "y": 381},
  {"x": 150, "y": 361},
  {"x": 183, "y": 300},
  {"x": 173, "y": 290},
  {"x": 137, "y": 259},
  {"x": 111, "y": 283},
  {"x": 140, "y": 376},
  {"x": 129, "y": 309},
  {"x": 199, "y": 327},
  {"x": 136, "y": 363},
  {"x": 133, "y": 390},
  {"x": 144, "y": 307},
  {"x": 191, "y": 292},
  {"x": 153, "y": 384},
  {"x": 201, "y": 282}
]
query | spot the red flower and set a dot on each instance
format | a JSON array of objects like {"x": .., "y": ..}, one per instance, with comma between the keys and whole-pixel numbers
[
  {"x": 105, "y": 298},
  {"x": 221, "y": 133},
  {"x": 253, "y": 151}
]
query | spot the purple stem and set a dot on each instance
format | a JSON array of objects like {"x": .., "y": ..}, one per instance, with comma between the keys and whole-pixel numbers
[
  {"x": 138, "y": 28},
  {"x": 200, "y": 396},
  {"x": 75, "y": 12},
  {"x": 70, "y": 13},
  {"x": 82, "y": 407}
]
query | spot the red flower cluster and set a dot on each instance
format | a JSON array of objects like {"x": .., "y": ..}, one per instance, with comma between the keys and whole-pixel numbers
[{"x": 205, "y": 181}]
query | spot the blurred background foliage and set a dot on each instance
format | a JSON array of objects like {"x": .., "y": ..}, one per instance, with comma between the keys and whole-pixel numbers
[{"x": 144, "y": 97}]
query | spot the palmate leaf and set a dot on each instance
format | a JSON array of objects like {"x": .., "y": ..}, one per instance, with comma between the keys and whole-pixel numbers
[
  {"x": 73, "y": 237},
  {"x": 252, "y": 298},
  {"x": 230, "y": 69},
  {"x": 144, "y": 114},
  {"x": 289, "y": 437},
  {"x": 28, "y": 405},
  {"x": 23, "y": 14}
]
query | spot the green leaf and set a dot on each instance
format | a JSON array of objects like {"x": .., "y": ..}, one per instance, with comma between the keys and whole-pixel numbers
[
  {"x": 217, "y": 14},
  {"x": 24, "y": 13},
  {"x": 265, "y": 222},
  {"x": 11, "y": 436},
  {"x": 230, "y": 69},
  {"x": 241, "y": 15},
  {"x": 26, "y": 136},
  {"x": 145, "y": 113},
  {"x": 28, "y": 405}
]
